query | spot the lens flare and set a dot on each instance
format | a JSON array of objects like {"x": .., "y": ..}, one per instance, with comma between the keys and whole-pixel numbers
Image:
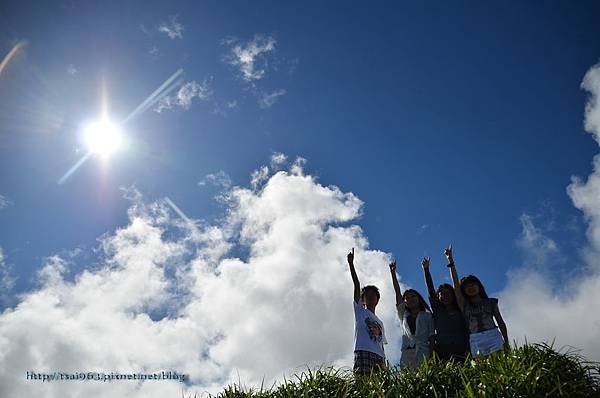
[{"x": 103, "y": 137}]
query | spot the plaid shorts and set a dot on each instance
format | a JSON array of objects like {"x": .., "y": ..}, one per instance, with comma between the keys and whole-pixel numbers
[{"x": 365, "y": 362}]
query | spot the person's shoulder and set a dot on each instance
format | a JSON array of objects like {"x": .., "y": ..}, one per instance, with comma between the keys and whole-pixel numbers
[{"x": 493, "y": 302}]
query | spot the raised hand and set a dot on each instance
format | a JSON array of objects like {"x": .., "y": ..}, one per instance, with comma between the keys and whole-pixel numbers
[
  {"x": 425, "y": 262},
  {"x": 448, "y": 253},
  {"x": 393, "y": 266},
  {"x": 351, "y": 257}
]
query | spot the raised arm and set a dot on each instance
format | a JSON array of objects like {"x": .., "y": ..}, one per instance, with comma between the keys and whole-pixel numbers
[
  {"x": 399, "y": 298},
  {"x": 460, "y": 300},
  {"x": 501, "y": 326},
  {"x": 354, "y": 276},
  {"x": 428, "y": 278}
]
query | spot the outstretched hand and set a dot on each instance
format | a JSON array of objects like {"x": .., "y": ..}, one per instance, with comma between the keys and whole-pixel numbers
[
  {"x": 425, "y": 262},
  {"x": 393, "y": 266},
  {"x": 351, "y": 257},
  {"x": 448, "y": 253}
]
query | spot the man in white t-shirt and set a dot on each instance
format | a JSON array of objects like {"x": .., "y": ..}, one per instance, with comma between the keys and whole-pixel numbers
[{"x": 369, "y": 333}]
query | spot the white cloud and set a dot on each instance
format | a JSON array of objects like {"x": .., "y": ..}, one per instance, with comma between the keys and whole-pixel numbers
[
  {"x": 172, "y": 28},
  {"x": 258, "y": 176},
  {"x": 219, "y": 178},
  {"x": 4, "y": 202},
  {"x": 278, "y": 159},
  {"x": 591, "y": 83},
  {"x": 298, "y": 166},
  {"x": 7, "y": 281},
  {"x": 154, "y": 51},
  {"x": 537, "y": 248},
  {"x": 250, "y": 57},
  {"x": 167, "y": 295},
  {"x": 184, "y": 96},
  {"x": 267, "y": 100},
  {"x": 537, "y": 307}
]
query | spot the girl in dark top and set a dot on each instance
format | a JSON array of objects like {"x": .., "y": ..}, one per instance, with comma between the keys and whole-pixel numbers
[
  {"x": 452, "y": 338},
  {"x": 479, "y": 311}
]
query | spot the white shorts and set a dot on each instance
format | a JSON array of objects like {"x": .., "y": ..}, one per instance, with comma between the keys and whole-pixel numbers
[{"x": 486, "y": 342}]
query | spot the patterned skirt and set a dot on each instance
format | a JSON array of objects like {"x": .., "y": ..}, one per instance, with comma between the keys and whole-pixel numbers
[{"x": 366, "y": 362}]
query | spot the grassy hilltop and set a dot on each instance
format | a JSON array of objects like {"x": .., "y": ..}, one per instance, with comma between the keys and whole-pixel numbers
[{"x": 533, "y": 370}]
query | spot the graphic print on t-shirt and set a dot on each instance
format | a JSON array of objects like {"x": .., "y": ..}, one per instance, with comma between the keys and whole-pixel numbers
[
  {"x": 374, "y": 329},
  {"x": 480, "y": 316}
]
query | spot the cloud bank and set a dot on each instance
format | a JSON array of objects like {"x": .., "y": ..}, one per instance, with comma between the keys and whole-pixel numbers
[
  {"x": 260, "y": 294},
  {"x": 536, "y": 306}
]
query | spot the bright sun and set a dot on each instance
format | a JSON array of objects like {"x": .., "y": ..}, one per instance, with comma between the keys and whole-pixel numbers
[{"x": 102, "y": 137}]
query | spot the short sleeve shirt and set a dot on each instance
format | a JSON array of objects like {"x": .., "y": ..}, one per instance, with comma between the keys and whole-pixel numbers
[
  {"x": 369, "y": 333},
  {"x": 480, "y": 316}
]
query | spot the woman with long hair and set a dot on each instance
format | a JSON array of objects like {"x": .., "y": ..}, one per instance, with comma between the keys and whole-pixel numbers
[
  {"x": 451, "y": 339},
  {"x": 480, "y": 311},
  {"x": 417, "y": 324}
]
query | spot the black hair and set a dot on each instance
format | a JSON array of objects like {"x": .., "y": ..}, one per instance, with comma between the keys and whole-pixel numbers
[
  {"x": 367, "y": 288},
  {"x": 423, "y": 306},
  {"x": 449, "y": 287},
  {"x": 472, "y": 279}
]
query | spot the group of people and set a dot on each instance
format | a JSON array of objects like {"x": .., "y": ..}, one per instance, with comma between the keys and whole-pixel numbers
[{"x": 460, "y": 319}]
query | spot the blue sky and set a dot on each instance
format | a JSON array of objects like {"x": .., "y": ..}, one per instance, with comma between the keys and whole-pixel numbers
[{"x": 453, "y": 122}]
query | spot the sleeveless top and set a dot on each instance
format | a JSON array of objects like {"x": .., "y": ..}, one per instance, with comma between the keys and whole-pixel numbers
[{"x": 480, "y": 316}]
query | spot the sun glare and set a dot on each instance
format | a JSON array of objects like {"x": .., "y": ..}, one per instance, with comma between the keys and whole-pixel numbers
[{"x": 102, "y": 137}]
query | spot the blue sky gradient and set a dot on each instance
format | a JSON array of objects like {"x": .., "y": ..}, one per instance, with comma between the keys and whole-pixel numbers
[
  {"x": 448, "y": 121},
  {"x": 454, "y": 122}
]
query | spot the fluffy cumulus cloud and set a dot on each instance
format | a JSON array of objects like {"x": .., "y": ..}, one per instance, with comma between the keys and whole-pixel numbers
[
  {"x": 184, "y": 96},
  {"x": 172, "y": 28},
  {"x": 540, "y": 308},
  {"x": 250, "y": 58},
  {"x": 264, "y": 292}
]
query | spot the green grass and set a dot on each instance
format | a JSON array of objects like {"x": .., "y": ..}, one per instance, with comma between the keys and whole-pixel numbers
[{"x": 533, "y": 370}]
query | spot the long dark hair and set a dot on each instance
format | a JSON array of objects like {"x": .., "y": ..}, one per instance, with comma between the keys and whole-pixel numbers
[
  {"x": 423, "y": 306},
  {"x": 472, "y": 279},
  {"x": 450, "y": 288}
]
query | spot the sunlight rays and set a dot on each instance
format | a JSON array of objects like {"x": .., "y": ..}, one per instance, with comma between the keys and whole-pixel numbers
[{"x": 104, "y": 137}]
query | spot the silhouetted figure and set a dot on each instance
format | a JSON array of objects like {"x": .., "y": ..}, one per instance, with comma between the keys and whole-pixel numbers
[
  {"x": 369, "y": 334},
  {"x": 451, "y": 339},
  {"x": 479, "y": 311},
  {"x": 417, "y": 324}
]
